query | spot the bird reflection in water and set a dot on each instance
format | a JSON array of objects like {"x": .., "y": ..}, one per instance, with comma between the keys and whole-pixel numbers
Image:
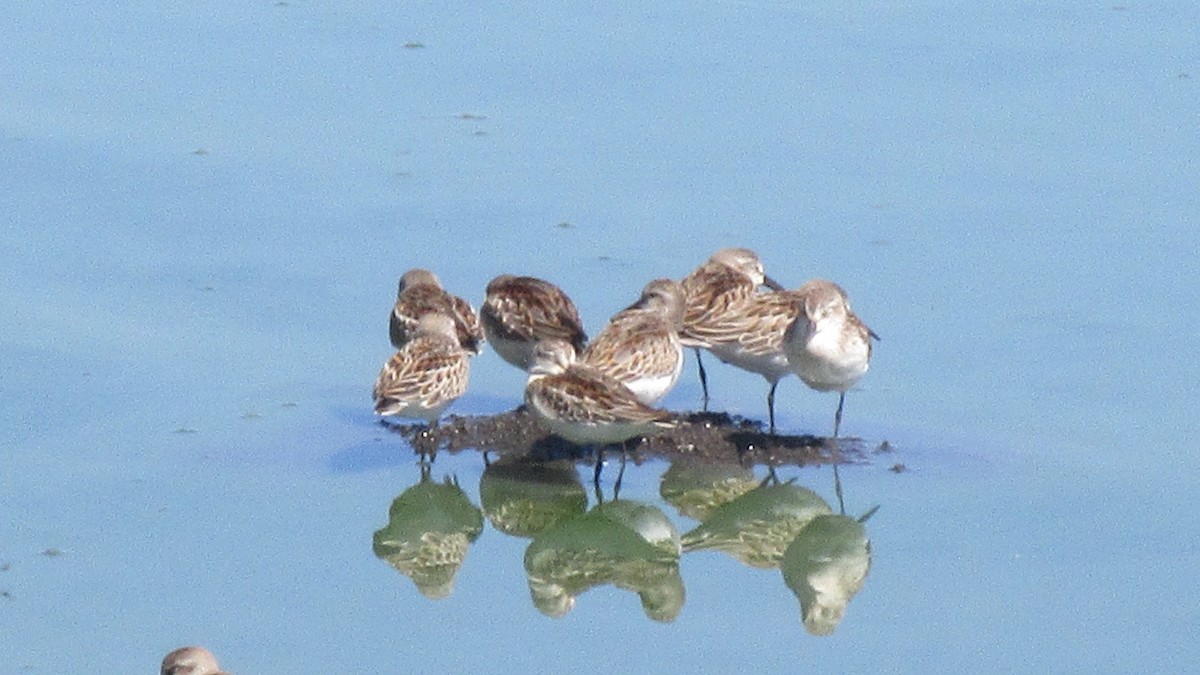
[
  {"x": 825, "y": 566},
  {"x": 824, "y": 557},
  {"x": 430, "y": 525},
  {"x": 757, "y": 526},
  {"x": 627, "y": 544},
  {"x": 696, "y": 488},
  {"x": 523, "y": 498}
]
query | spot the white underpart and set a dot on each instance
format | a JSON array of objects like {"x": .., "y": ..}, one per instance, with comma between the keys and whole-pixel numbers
[
  {"x": 517, "y": 352},
  {"x": 773, "y": 365},
  {"x": 825, "y": 359},
  {"x": 583, "y": 433},
  {"x": 651, "y": 388},
  {"x": 415, "y": 410}
]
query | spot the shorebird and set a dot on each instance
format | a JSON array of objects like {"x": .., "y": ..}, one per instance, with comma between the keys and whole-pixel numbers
[
  {"x": 727, "y": 279},
  {"x": 827, "y": 345},
  {"x": 585, "y": 406},
  {"x": 191, "y": 661},
  {"x": 580, "y": 403},
  {"x": 520, "y": 311},
  {"x": 421, "y": 293},
  {"x": 427, "y": 374},
  {"x": 750, "y": 335},
  {"x": 640, "y": 346}
]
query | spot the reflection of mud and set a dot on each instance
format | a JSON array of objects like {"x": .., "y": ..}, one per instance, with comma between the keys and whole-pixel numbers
[{"x": 710, "y": 436}]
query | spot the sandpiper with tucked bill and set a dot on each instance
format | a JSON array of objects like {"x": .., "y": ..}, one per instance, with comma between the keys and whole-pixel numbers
[
  {"x": 728, "y": 278},
  {"x": 421, "y": 293},
  {"x": 750, "y": 335},
  {"x": 640, "y": 346},
  {"x": 426, "y": 375},
  {"x": 580, "y": 403},
  {"x": 520, "y": 311}
]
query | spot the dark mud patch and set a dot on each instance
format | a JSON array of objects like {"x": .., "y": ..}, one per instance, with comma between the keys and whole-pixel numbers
[{"x": 701, "y": 436}]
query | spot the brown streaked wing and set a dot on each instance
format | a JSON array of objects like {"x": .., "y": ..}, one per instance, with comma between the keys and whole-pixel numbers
[
  {"x": 711, "y": 294},
  {"x": 584, "y": 395},
  {"x": 466, "y": 322},
  {"x": 417, "y": 301},
  {"x": 622, "y": 358},
  {"x": 429, "y": 375},
  {"x": 758, "y": 324},
  {"x": 413, "y": 303},
  {"x": 527, "y": 309}
]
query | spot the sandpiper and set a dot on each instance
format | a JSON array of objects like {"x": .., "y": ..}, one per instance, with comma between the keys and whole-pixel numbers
[
  {"x": 426, "y": 374},
  {"x": 520, "y": 311},
  {"x": 828, "y": 346},
  {"x": 580, "y": 403},
  {"x": 421, "y": 293},
  {"x": 731, "y": 276},
  {"x": 191, "y": 661},
  {"x": 640, "y": 346},
  {"x": 750, "y": 335}
]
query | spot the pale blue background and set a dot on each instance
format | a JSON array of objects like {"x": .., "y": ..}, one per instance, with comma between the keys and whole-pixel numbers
[{"x": 1009, "y": 192}]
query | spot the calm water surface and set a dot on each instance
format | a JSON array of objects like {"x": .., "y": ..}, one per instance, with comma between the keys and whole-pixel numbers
[{"x": 206, "y": 211}]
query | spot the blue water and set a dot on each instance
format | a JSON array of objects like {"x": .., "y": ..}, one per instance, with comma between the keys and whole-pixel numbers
[{"x": 205, "y": 212}]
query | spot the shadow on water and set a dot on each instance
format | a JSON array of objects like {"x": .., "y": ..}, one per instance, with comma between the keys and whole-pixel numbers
[{"x": 533, "y": 490}]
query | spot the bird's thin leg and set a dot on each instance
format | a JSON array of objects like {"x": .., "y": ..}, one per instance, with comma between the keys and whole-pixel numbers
[
  {"x": 771, "y": 406},
  {"x": 620, "y": 474},
  {"x": 598, "y": 468},
  {"x": 837, "y": 486},
  {"x": 703, "y": 377},
  {"x": 837, "y": 418},
  {"x": 837, "y": 459},
  {"x": 770, "y": 477}
]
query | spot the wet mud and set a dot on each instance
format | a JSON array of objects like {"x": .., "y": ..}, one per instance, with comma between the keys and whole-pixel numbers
[{"x": 700, "y": 436}]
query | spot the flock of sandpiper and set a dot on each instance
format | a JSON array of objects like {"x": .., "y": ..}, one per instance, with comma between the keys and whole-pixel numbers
[{"x": 603, "y": 391}]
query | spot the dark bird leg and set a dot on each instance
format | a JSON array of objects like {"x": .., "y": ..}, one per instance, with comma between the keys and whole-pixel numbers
[
  {"x": 771, "y": 405},
  {"x": 837, "y": 418},
  {"x": 837, "y": 486},
  {"x": 598, "y": 468},
  {"x": 770, "y": 477},
  {"x": 837, "y": 479},
  {"x": 703, "y": 377},
  {"x": 620, "y": 473}
]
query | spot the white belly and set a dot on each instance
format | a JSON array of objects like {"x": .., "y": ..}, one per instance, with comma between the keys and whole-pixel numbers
[
  {"x": 829, "y": 360},
  {"x": 771, "y": 365}
]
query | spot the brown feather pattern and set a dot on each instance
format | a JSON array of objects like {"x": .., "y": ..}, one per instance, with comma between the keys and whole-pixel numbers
[
  {"x": 422, "y": 294},
  {"x": 527, "y": 309}
]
